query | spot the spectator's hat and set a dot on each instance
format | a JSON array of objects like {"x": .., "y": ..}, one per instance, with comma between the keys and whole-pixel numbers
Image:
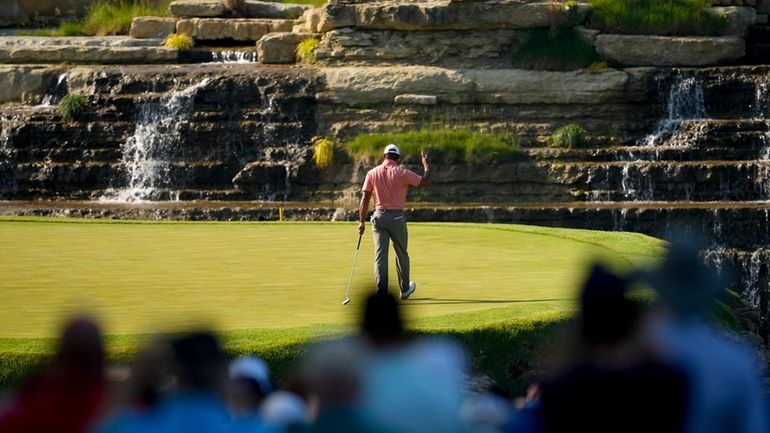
[
  {"x": 392, "y": 149},
  {"x": 252, "y": 368}
]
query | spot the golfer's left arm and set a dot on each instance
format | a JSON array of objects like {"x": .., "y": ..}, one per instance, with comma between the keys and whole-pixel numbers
[
  {"x": 427, "y": 177},
  {"x": 363, "y": 210}
]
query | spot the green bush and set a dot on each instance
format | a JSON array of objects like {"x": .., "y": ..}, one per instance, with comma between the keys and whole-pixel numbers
[
  {"x": 306, "y": 50},
  {"x": 448, "y": 144},
  {"x": 72, "y": 106},
  {"x": 555, "y": 49},
  {"x": 658, "y": 17},
  {"x": 108, "y": 18},
  {"x": 569, "y": 136}
]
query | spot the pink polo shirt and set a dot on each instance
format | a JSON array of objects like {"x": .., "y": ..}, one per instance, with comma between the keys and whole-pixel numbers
[{"x": 390, "y": 182}]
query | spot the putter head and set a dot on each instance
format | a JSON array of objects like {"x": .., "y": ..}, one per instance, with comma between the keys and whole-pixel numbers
[{"x": 346, "y": 301}]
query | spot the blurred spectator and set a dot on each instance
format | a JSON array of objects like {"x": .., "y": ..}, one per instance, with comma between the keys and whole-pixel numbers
[
  {"x": 726, "y": 389},
  {"x": 70, "y": 394},
  {"x": 610, "y": 381},
  {"x": 332, "y": 373},
  {"x": 194, "y": 406},
  {"x": 286, "y": 411},
  {"x": 409, "y": 385},
  {"x": 248, "y": 384},
  {"x": 149, "y": 380}
]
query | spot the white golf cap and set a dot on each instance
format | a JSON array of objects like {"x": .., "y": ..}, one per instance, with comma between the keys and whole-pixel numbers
[{"x": 392, "y": 148}]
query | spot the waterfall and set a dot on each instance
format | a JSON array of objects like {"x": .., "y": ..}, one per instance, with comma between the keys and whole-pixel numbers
[
  {"x": 230, "y": 56},
  {"x": 147, "y": 153},
  {"x": 685, "y": 103},
  {"x": 7, "y": 180},
  {"x": 53, "y": 98}
]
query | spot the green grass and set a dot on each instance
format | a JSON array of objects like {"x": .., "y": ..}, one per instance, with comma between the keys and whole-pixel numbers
[
  {"x": 658, "y": 17},
  {"x": 271, "y": 287},
  {"x": 569, "y": 136},
  {"x": 449, "y": 145},
  {"x": 555, "y": 49},
  {"x": 107, "y": 17},
  {"x": 72, "y": 106}
]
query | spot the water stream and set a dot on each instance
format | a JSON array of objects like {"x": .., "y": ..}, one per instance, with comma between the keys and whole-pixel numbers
[
  {"x": 6, "y": 156},
  {"x": 685, "y": 103},
  {"x": 148, "y": 153},
  {"x": 233, "y": 56}
]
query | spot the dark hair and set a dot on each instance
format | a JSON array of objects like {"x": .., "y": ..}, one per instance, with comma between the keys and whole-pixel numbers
[
  {"x": 382, "y": 321},
  {"x": 393, "y": 156},
  {"x": 199, "y": 361},
  {"x": 607, "y": 316}
]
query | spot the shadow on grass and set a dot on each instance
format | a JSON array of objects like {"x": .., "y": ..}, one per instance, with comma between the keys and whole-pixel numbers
[{"x": 440, "y": 301}]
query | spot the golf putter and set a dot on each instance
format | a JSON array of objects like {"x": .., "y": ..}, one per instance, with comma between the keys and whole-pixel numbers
[{"x": 350, "y": 280}]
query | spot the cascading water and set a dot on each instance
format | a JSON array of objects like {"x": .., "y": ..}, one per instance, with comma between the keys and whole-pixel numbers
[
  {"x": 6, "y": 156},
  {"x": 146, "y": 154},
  {"x": 53, "y": 98},
  {"x": 231, "y": 56},
  {"x": 685, "y": 103}
]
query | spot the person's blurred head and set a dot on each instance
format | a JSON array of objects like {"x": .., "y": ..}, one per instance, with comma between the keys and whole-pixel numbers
[
  {"x": 198, "y": 361},
  {"x": 382, "y": 320},
  {"x": 150, "y": 376},
  {"x": 81, "y": 350},
  {"x": 285, "y": 410},
  {"x": 248, "y": 384},
  {"x": 607, "y": 316},
  {"x": 683, "y": 281}
]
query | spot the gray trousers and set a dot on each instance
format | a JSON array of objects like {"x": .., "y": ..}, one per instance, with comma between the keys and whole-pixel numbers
[{"x": 390, "y": 225}]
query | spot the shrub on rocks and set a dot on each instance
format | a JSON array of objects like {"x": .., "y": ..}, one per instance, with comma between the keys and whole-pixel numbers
[
  {"x": 445, "y": 144},
  {"x": 72, "y": 106},
  {"x": 657, "y": 17},
  {"x": 569, "y": 136},
  {"x": 115, "y": 18},
  {"x": 323, "y": 153},
  {"x": 306, "y": 50},
  {"x": 555, "y": 49},
  {"x": 179, "y": 42}
]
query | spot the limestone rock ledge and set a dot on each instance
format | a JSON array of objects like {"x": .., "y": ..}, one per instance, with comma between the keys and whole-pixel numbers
[
  {"x": 197, "y": 8},
  {"x": 87, "y": 55},
  {"x": 640, "y": 50},
  {"x": 439, "y": 15},
  {"x": 152, "y": 27},
  {"x": 244, "y": 29},
  {"x": 381, "y": 85}
]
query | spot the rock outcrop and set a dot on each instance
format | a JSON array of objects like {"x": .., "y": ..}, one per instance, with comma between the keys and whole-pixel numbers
[
  {"x": 275, "y": 10},
  {"x": 641, "y": 50},
  {"x": 152, "y": 27},
  {"x": 197, "y": 8},
  {"x": 243, "y": 29},
  {"x": 279, "y": 48},
  {"x": 439, "y": 15}
]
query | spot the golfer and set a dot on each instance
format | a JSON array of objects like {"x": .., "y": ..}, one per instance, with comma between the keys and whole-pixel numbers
[{"x": 389, "y": 182}]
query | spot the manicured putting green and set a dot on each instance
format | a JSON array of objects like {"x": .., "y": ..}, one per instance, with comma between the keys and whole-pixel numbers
[{"x": 142, "y": 277}]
